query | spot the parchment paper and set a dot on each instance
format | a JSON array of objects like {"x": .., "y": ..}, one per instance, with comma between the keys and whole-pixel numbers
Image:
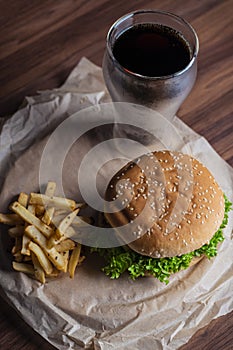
[{"x": 91, "y": 311}]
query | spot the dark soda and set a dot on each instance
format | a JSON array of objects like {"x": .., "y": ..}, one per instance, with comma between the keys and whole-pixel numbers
[{"x": 152, "y": 50}]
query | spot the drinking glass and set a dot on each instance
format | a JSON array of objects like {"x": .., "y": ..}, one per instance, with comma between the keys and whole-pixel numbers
[{"x": 163, "y": 93}]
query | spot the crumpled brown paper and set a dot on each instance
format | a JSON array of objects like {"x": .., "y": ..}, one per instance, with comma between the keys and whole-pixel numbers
[{"x": 92, "y": 311}]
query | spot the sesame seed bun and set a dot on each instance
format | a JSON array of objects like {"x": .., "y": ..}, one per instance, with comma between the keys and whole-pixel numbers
[{"x": 170, "y": 201}]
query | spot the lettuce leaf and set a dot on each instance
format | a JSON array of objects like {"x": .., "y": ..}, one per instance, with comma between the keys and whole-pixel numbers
[{"x": 121, "y": 259}]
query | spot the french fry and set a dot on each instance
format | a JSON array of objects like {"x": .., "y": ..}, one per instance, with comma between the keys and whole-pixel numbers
[
  {"x": 42, "y": 258},
  {"x": 42, "y": 225},
  {"x": 50, "y": 188},
  {"x": 66, "y": 259},
  {"x": 58, "y": 218},
  {"x": 25, "y": 242},
  {"x": 79, "y": 221},
  {"x": 55, "y": 257},
  {"x": 38, "y": 270},
  {"x": 49, "y": 212},
  {"x": 62, "y": 228},
  {"x": 61, "y": 212},
  {"x": 10, "y": 219},
  {"x": 48, "y": 215},
  {"x": 74, "y": 258},
  {"x": 31, "y": 219},
  {"x": 54, "y": 273},
  {"x": 18, "y": 256},
  {"x": 81, "y": 259},
  {"x": 17, "y": 247},
  {"x": 32, "y": 232},
  {"x": 39, "y": 210},
  {"x": 32, "y": 209},
  {"x": 16, "y": 231},
  {"x": 23, "y": 199},
  {"x": 57, "y": 202},
  {"x": 65, "y": 212},
  {"x": 65, "y": 223},
  {"x": 53, "y": 240},
  {"x": 27, "y": 258},
  {"x": 23, "y": 267},
  {"x": 65, "y": 245},
  {"x": 70, "y": 232}
]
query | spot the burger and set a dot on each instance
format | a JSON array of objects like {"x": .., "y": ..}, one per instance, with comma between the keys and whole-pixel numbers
[{"x": 168, "y": 212}]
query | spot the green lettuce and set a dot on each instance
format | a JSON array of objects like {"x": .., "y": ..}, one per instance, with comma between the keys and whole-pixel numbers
[{"x": 121, "y": 259}]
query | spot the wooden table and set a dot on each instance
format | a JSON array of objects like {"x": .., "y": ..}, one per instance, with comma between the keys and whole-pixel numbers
[{"x": 41, "y": 41}]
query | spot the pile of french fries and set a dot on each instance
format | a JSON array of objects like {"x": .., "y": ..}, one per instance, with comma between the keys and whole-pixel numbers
[{"x": 42, "y": 226}]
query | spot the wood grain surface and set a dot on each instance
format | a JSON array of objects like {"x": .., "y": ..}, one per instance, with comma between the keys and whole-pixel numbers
[{"x": 41, "y": 41}]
